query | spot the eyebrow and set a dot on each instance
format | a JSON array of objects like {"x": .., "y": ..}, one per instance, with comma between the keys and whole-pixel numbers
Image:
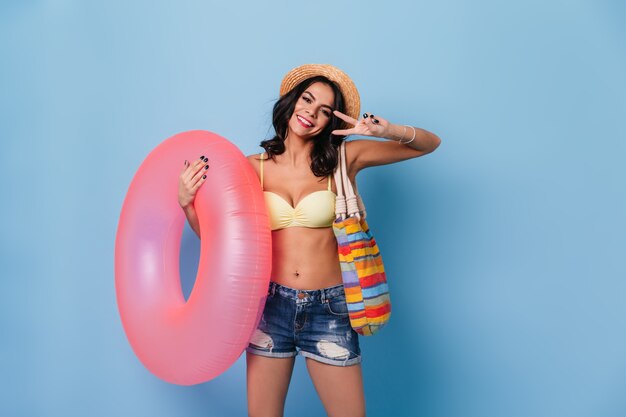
[{"x": 324, "y": 105}]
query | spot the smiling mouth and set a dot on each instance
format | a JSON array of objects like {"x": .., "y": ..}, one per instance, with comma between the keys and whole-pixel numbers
[{"x": 304, "y": 122}]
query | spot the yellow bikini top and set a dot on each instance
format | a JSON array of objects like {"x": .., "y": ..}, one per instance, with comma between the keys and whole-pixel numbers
[{"x": 316, "y": 209}]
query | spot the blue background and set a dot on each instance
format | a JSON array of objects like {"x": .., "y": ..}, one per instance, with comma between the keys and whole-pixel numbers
[{"x": 505, "y": 249}]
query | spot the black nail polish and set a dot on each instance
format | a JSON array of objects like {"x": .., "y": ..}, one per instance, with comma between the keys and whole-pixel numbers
[
  {"x": 185, "y": 162},
  {"x": 202, "y": 157},
  {"x": 204, "y": 177},
  {"x": 206, "y": 167},
  {"x": 206, "y": 159},
  {"x": 365, "y": 115},
  {"x": 372, "y": 116},
  {"x": 375, "y": 120}
]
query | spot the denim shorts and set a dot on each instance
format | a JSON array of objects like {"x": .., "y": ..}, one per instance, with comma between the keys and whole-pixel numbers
[{"x": 312, "y": 323}]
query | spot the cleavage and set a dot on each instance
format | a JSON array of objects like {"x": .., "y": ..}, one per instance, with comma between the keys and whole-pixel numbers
[{"x": 301, "y": 200}]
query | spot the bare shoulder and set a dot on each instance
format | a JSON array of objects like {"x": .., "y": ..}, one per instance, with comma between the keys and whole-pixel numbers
[
  {"x": 254, "y": 160},
  {"x": 256, "y": 157}
]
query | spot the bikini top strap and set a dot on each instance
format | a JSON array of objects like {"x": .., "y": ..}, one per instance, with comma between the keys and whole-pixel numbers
[
  {"x": 329, "y": 189},
  {"x": 262, "y": 171}
]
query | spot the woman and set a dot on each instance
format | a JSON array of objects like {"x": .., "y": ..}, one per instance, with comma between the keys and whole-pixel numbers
[{"x": 306, "y": 312}]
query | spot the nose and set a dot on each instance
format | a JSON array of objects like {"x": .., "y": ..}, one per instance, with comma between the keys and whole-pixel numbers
[{"x": 312, "y": 112}]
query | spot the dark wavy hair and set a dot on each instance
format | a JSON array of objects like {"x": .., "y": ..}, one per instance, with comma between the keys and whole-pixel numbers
[{"x": 324, "y": 151}]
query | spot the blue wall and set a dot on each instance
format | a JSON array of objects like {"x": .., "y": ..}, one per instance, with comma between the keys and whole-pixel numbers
[{"x": 504, "y": 248}]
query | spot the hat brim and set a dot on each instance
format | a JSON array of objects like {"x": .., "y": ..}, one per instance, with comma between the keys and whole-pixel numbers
[{"x": 351, "y": 97}]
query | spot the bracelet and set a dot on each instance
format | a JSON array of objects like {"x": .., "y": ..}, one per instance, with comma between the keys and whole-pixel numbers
[
  {"x": 412, "y": 139},
  {"x": 403, "y": 134}
]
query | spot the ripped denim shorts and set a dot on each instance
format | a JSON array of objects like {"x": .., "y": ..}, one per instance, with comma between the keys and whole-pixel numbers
[{"x": 312, "y": 323}]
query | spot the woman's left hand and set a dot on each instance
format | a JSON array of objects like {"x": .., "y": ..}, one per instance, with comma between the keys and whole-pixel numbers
[{"x": 369, "y": 125}]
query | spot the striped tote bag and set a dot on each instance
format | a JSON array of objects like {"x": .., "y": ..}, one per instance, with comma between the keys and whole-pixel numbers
[{"x": 362, "y": 269}]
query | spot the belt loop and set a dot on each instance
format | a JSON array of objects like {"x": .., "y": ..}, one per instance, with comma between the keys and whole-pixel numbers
[{"x": 323, "y": 296}]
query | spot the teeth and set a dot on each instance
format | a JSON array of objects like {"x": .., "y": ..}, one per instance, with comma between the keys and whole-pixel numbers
[{"x": 305, "y": 122}]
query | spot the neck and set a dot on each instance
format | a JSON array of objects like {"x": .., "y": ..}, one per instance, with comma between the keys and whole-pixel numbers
[{"x": 297, "y": 150}]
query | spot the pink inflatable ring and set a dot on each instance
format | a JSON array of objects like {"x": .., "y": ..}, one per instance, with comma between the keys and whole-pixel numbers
[{"x": 192, "y": 342}]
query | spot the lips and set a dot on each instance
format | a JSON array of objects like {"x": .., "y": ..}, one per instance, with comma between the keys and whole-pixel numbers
[{"x": 304, "y": 122}]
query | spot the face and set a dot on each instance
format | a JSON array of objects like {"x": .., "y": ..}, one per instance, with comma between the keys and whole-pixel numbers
[{"x": 313, "y": 110}]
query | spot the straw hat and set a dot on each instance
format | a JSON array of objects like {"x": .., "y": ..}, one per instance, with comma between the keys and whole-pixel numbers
[{"x": 346, "y": 85}]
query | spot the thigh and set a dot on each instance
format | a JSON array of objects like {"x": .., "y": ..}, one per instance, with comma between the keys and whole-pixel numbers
[
  {"x": 274, "y": 337},
  {"x": 340, "y": 388},
  {"x": 267, "y": 384},
  {"x": 327, "y": 335}
]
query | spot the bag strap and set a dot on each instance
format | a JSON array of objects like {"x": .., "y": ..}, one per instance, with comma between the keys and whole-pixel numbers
[
  {"x": 350, "y": 203},
  {"x": 340, "y": 201}
]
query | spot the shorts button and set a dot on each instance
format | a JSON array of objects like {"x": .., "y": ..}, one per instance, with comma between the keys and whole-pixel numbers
[{"x": 301, "y": 295}]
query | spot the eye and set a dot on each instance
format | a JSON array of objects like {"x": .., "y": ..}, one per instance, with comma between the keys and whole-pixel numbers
[
  {"x": 305, "y": 98},
  {"x": 326, "y": 113}
]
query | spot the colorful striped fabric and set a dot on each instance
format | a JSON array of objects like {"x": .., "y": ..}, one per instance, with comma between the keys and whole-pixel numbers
[
  {"x": 362, "y": 269},
  {"x": 363, "y": 276}
]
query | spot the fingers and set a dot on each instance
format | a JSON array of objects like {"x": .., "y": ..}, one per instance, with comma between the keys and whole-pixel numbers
[
  {"x": 343, "y": 132},
  {"x": 194, "y": 168},
  {"x": 371, "y": 118},
  {"x": 368, "y": 123},
  {"x": 194, "y": 174},
  {"x": 199, "y": 174},
  {"x": 345, "y": 117},
  {"x": 197, "y": 185}
]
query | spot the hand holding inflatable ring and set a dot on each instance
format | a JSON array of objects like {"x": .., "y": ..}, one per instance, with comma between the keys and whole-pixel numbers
[
  {"x": 192, "y": 342},
  {"x": 190, "y": 180}
]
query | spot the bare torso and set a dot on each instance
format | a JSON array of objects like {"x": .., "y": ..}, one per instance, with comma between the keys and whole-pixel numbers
[
  {"x": 302, "y": 257},
  {"x": 305, "y": 258}
]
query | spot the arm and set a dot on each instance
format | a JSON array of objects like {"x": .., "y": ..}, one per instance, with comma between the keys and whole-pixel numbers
[
  {"x": 363, "y": 153},
  {"x": 192, "y": 218},
  {"x": 190, "y": 180}
]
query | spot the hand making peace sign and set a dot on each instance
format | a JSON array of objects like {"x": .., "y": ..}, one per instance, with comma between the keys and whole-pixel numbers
[{"x": 367, "y": 126}]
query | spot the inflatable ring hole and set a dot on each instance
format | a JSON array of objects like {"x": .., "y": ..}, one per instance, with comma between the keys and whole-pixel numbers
[{"x": 189, "y": 260}]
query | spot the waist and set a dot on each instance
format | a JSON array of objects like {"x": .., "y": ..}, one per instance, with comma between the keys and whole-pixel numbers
[
  {"x": 319, "y": 295},
  {"x": 305, "y": 258}
]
